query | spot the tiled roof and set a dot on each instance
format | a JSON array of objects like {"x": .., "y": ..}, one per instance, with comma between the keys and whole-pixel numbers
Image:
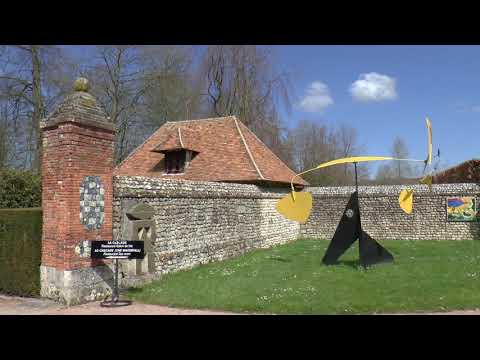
[
  {"x": 465, "y": 172},
  {"x": 227, "y": 151},
  {"x": 178, "y": 139},
  {"x": 80, "y": 107}
]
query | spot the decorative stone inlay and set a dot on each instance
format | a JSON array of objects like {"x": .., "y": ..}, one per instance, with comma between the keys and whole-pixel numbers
[
  {"x": 92, "y": 203},
  {"x": 84, "y": 248}
]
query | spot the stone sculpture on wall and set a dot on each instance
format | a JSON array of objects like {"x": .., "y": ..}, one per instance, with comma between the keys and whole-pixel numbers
[{"x": 139, "y": 225}]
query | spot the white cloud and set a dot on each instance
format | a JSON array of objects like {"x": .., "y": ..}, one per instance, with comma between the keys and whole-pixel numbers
[
  {"x": 317, "y": 97},
  {"x": 466, "y": 107},
  {"x": 373, "y": 87}
]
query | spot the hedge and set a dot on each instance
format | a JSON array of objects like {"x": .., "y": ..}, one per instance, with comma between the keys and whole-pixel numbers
[
  {"x": 20, "y": 251},
  {"x": 19, "y": 189}
]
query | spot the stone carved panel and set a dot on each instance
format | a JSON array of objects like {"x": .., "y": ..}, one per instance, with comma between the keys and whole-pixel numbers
[
  {"x": 138, "y": 224},
  {"x": 92, "y": 203}
]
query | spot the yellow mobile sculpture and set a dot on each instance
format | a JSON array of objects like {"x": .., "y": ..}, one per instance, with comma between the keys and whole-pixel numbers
[{"x": 297, "y": 206}]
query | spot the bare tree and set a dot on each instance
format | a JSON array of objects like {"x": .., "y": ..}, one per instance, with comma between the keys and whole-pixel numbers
[
  {"x": 27, "y": 91},
  {"x": 140, "y": 87},
  {"x": 244, "y": 81},
  {"x": 115, "y": 77},
  {"x": 314, "y": 144},
  {"x": 385, "y": 174},
  {"x": 349, "y": 146},
  {"x": 4, "y": 148},
  {"x": 400, "y": 150},
  {"x": 174, "y": 93}
]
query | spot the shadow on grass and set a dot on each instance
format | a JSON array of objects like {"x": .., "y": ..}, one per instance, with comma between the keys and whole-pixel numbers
[
  {"x": 280, "y": 259},
  {"x": 132, "y": 290},
  {"x": 350, "y": 263}
]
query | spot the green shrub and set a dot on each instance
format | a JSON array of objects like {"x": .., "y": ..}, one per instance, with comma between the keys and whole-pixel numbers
[
  {"x": 20, "y": 251},
  {"x": 19, "y": 189}
]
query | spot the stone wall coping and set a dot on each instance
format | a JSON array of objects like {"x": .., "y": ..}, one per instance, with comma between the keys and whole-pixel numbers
[
  {"x": 142, "y": 186},
  {"x": 46, "y": 125},
  {"x": 394, "y": 190}
]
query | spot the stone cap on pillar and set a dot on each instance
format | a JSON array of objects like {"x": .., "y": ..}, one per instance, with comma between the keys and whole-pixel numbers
[{"x": 79, "y": 107}]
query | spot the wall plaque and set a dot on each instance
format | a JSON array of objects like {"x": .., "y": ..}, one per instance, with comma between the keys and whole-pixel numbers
[{"x": 118, "y": 249}]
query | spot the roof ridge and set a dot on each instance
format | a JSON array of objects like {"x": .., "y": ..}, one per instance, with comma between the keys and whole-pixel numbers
[
  {"x": 247, "y": 148},
  {"x": 134, "y": 151},
  {"x": 204, "y": 119},
  {"x": 180, "y": 137},
  {"x": 266, "y": 147}
]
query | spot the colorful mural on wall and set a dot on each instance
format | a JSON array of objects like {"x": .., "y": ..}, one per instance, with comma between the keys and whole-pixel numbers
[{"x": 461, "y": 208}]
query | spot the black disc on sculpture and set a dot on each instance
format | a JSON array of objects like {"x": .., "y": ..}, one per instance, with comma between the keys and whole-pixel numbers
[{"x": 348, "y": 231}]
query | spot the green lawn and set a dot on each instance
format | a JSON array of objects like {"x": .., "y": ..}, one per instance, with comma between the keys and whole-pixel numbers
[{"x": 289, "y": 279}]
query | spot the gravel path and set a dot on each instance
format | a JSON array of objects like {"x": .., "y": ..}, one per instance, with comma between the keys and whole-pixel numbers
[
  {"x": 29, "y": 306},
  {"x": 10, "y": 305}
]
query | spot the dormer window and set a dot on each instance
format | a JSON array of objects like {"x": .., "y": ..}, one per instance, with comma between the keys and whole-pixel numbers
[
  {"x": 177, "y": 151},
  {"x": 175, "y": 161}
]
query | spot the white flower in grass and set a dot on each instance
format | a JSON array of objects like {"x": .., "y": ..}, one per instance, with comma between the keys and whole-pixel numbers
[
  {"x": 227, "y": 272},
  {"x": 262, "y": 298}
]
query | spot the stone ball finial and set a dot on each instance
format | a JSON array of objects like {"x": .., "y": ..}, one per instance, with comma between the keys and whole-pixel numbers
[{"x": 81, "y": 84}]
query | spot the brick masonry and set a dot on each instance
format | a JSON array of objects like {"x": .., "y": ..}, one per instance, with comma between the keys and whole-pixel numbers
[{"x": 78, "y": 143}]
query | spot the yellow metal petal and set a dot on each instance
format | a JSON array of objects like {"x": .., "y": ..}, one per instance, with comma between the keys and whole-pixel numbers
[
  {"x": 406, "y": 200},
  {"x": 427, "y": 180},
  {"x": 296, "y": 210}
]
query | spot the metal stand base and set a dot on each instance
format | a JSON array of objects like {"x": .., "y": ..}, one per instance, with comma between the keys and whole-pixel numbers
[
  {"x": 115, "y": 303},
  {"x": 115, "y": 300}
]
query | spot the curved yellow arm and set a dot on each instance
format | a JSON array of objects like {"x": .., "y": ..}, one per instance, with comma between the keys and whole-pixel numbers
[
  {"x": 429, "y": 128},
  {"x": 300, "y": 210},
  {"x": 357, "y": 159},
  {"x": 348, "y": 160}
]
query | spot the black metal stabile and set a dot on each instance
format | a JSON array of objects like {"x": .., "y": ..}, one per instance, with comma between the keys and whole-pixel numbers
[
  {"x": 348, "y": 231},
  {"x": 371, "y": 252}
]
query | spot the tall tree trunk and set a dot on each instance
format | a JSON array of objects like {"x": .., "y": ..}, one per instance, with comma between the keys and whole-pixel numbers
[{"x": 37, "y": 106}]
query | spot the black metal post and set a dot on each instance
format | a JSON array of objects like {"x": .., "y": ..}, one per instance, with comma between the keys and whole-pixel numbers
[
  {"x": 356, "y": 181},
  {"x": 115, "y": 289},
  {"x": 359, "y": 219},
  {"x": 115, "y": 300}
]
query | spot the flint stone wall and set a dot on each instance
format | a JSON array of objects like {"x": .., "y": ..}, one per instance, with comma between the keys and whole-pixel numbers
[
  {"x": 200, "y": 222},
  {"x": 382, "y": 218}
]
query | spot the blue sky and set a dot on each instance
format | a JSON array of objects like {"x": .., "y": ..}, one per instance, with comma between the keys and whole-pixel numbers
[{"x": 398, "y": 87}]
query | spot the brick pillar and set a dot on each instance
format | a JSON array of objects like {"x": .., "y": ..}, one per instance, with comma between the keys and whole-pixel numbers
[{"x": 77, "y": 191}]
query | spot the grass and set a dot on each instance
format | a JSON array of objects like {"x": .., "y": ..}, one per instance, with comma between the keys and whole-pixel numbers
[{"x": 289, "y": 279}]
